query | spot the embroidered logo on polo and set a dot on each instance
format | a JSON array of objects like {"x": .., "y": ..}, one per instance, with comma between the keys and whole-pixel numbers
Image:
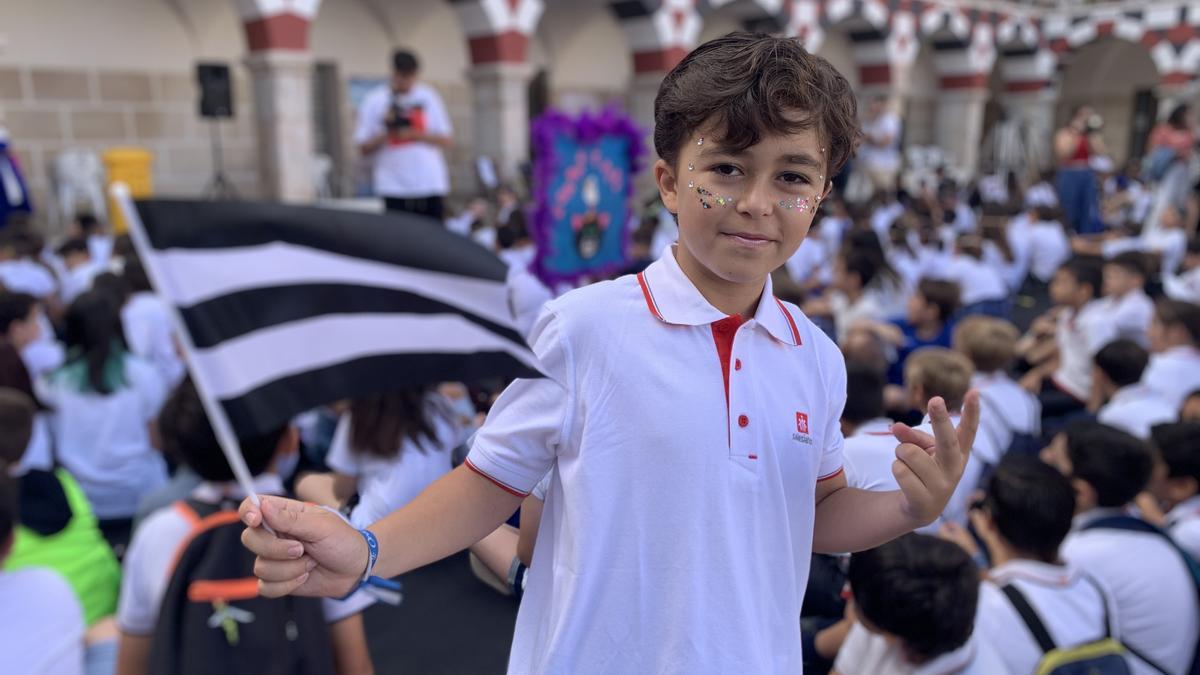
[{"x": 801, "y": 435}]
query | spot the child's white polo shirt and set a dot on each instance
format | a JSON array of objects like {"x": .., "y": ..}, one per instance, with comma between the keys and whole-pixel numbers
[
  {"x": 1174, "y": 373},
  {"x": 1070, "y": 606},
  {"x": 687, "y": 447},
  {"x": 1136, "y": 409},
  {"x": 1149, "y": 584},
  {"x": 870, "y": 453},
  {"x": 1183, "y": 522}
]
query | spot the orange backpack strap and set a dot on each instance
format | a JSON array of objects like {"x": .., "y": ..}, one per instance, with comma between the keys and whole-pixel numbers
[{"x": 197, "y": 526}]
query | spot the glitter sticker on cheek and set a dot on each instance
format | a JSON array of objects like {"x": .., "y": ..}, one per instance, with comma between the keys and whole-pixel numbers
[
  {"x": 707, "y": 198},
  {"x": 801, "y": 203}
]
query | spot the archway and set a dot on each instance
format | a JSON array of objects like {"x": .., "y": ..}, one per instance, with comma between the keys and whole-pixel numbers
[{"x": 1117, "y": 78}]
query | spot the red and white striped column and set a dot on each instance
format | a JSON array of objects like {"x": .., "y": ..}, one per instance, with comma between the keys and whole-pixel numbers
[
  {"x": 498, "y": 34},
  {"x": 963, "y": 94},
  {"x": 280, "y": 65},
  {"x": 659, "y": 34}
]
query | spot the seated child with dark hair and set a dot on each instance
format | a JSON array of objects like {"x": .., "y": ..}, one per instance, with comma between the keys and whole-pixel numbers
[
  {"x": 57, "y": 529},
  {"x": 149, "y": 562},
  {"x": 928, "y": 322},
  {"x": 41, "y": 623},
  {"x": 1022, "y": 522},
  {"x": 1179, "y": 446},
  {"x": 914, "y": 602},
  {"x": 1118, "y": 395},
  {"x": 1147, "y": 575}
]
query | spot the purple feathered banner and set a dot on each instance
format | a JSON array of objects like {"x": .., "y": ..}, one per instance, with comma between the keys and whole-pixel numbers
[{"x": 583, "y": 172}]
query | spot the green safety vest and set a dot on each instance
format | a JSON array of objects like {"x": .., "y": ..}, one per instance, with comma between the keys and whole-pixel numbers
[{"x": 78, "y": 552}]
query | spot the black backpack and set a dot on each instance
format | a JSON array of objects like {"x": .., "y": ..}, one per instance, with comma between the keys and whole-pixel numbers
[
  {"x": 212, "y": 619},
  {"x": 1103, "y": 656},
  {"x": 1131, "y": 524}
]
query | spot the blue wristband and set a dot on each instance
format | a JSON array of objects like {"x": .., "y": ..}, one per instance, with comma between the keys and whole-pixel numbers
[
  {"x": 372, "y": 553},
  {"x": 383, "y": 589}
]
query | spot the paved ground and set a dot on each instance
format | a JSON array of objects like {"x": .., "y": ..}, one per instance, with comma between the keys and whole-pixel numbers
[{"x": 449, "y": 622}]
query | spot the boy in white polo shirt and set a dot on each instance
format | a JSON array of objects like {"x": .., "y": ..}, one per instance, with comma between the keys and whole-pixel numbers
[
  {"x": 1174, "y": 369},
  {"x": 1126, "y": 403},
  {"x": 1147, "y": 576},
  {"x": 690, "y": 417},
  {"x": 1179, "y": 446},
  {"x": 1022, "y": 521}
]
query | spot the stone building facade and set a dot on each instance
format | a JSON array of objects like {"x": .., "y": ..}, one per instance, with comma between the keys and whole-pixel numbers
[{"x": 98, "y": 75}]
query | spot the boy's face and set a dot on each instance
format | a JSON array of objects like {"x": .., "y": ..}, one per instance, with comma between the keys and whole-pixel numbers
[
  {"x": 1118, "y": 281},
  {"x": 742, "y": 214},
  {"x": 24, "y": 332},
  {"x": 917, "y": 309},
  {"x": 1065, "y": 289},
  {"x": 1191, "y": 410}
]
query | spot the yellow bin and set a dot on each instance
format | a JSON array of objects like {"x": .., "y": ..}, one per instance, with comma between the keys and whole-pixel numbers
[{"x": 133, "y": 167}]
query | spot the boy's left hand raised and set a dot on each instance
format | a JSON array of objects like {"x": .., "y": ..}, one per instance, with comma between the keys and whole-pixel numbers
[{"x": 928, "y": 468}]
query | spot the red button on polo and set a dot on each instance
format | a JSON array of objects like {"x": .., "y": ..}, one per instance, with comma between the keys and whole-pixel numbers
[
  {"x": 743, "y": 421},
  {"x": 737, "y": 364}
]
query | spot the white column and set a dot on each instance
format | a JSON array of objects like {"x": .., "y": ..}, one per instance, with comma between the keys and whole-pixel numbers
[
  {"x": 501, "y": 105},
  {"x": 960, "y": 127},
  {"x": 282, "y": 82},
  {"x": 1035, "y": 110}
]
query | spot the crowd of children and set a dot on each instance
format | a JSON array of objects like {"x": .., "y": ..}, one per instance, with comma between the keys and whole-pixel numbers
[{"x": 1071, "y": 537}]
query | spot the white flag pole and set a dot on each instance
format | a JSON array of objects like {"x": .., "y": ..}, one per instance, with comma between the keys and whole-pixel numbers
[{"x": 212, "y": 407}]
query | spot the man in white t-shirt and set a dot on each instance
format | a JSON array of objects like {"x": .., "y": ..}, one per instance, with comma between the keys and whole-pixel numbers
[
  {"x": 880, "y": 151},
  {"x": 1023, "y": 520},
  {"x": 41, "y": 623},
  {"x": 1128, "y": 404},
  {"x": 1126, "y": 308},
  {"x": 404, "y": 128},
  {"x": 1148, "y": 578}
]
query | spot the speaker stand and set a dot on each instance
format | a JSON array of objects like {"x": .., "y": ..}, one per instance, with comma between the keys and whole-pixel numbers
[{"x": 219, "y": 186}]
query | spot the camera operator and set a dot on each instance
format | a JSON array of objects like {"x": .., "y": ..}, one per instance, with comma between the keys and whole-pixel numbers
[
  {"x": 403, "y": 126},
  {"x": 1074, "y": 147}
]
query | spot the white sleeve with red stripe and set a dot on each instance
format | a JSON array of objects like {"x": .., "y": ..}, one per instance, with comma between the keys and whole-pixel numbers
[
  {"x": 835, "y": 389},
  {"x": 517, "y": 444}
]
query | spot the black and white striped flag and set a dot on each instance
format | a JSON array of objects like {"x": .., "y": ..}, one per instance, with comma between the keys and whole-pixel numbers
[{"x": 291, "y": 307}]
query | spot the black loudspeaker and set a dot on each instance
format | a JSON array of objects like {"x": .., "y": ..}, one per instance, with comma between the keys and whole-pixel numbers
[{"x": 216, "y": 90}]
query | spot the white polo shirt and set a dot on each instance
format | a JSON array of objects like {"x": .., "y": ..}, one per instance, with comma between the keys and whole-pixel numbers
[
  {"x": 977, "y": 280},
  {"x": 1135, "y": 409},
  {"x": 1005, "y": 410},
  {"x": 678, "y": 523},
  {"x": 1183, "y": 522},
  {"x": 1048, "y": 249},
  {"x": 1070, "y": 607},
  {"x": 867, "y": 653},
  {"x": 1125, "y": 317},
  {"x": 1174, "y": 373},
  {"x": 869, "y": 454},
  {"x": 1077, "y": 336},
  {"x": 1149, "y": 584}
]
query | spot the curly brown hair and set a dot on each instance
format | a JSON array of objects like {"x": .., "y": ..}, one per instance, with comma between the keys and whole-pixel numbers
[{"x": 749, "y": 84}]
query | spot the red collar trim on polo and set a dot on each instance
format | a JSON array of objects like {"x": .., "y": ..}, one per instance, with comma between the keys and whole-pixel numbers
[{"x": 672, "y": 298}]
